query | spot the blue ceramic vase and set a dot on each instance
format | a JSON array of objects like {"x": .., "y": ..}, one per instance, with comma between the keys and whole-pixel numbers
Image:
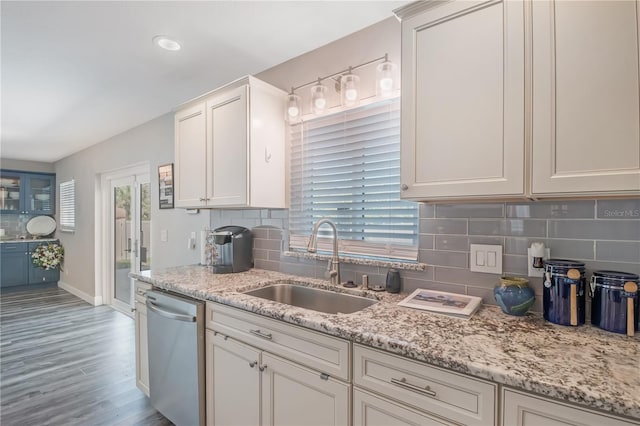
[{"x": 514, "y": 296}]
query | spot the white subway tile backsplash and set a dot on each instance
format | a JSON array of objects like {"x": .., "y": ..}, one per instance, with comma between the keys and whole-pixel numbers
[
  {"x": 622, "y": 230},
  {"x": 514, "y": 265},
  {"x": 619, "y": 209},
  {"x": 445, "y": 258},
  {"x": 452, "y": 242},
  {"x": 443, "y": 226},
  {"x": 572, "y": 249},
  {"x": 605, "y": 234},
  {"x": 470, "y": 210},
  {"x": 427, "y": 210},
  {"x": 618, "y": 251},
  {"x": 552, "y": 210},
  {"x": 508, "y": 227}
]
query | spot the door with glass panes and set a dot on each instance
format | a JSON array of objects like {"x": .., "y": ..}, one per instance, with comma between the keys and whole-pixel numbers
[{"x": 131, "y": 230}]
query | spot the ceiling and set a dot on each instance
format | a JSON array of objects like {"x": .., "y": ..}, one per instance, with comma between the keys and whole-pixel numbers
[{"x": 75, "y": 73}]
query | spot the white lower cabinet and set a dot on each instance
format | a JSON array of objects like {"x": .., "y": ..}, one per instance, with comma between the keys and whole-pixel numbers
[
  {"x": 433, "y": 391},
  {"x": 521, "y": 409},
  {"x": 294, "y": 395},
  {"x": 142, "y": 347},
  {"x": 232, "y": 382},
  {"x": 246, "y": 385},
  {"x": 371, "y": 410}
]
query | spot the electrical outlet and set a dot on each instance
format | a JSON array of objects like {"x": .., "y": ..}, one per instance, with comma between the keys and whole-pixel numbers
[
  {"x": 486, "y": 258},
  {"x": 536, "y": 272}
]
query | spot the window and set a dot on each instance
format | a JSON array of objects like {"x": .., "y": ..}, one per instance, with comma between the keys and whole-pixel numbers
[
  {"x": 346, "y": 167},
  {"x": 68, "y": 206}
]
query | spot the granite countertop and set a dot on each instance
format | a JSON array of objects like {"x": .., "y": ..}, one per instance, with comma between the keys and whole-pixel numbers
[
  {"x": 26, "y": 240},
  {"x": 583, "y": 365}
]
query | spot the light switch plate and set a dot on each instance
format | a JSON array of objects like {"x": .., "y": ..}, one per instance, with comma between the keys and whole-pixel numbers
[
  {"x": 164, "y": 235},
  {"x": 486, "y": 258}
]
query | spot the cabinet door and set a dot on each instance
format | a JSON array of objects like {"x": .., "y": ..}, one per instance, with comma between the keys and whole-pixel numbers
[
  {"x": 11, "y": 192},
  {"x": 38, "y": 275},
  {"x": 463, "y": 101},
  {"x": 233, "y": 382},
  {"x": 586, "y": 97},
  {"x": 227, "y": 141},
  {"x": 142, "y": 349},
  {"x": 190, "y": 157},
  {"x": 39, "y": 193},
  {"x": 14, "y": 264},
  {"x": 520, "y": 409},
  {"x": 294, "y": 395},
  {"x": 370, "y": 410}
]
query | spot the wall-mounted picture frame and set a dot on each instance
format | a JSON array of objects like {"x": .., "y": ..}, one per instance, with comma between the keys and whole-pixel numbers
[{"x": 165, "y": 183}]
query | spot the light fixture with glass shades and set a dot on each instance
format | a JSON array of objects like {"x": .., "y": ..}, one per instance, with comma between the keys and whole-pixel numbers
[
  {"x": 166, "y": 42},
  {"x": 347, "y": 86},
  {"x": 319, "y": 98},
  {"x": 385, "y": 73},
  {"x": 293, "y": 107}
]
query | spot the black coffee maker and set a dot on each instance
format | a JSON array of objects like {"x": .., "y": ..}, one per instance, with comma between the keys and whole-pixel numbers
[{"x": 232, "y": 249}]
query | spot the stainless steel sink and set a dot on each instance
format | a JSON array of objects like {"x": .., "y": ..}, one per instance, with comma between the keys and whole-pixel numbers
[{"x": 312, "y": 298}]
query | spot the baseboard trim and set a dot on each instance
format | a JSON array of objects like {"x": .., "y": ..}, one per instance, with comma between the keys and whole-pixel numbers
[{"x": 95, "y": 301}]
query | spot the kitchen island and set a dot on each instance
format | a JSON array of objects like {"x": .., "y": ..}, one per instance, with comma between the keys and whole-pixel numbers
[{"x": 585, "y": 365}]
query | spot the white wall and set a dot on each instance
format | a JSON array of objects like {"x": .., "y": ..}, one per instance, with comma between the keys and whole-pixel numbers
[
  {"x": 28, "y": 166},
  {"x": 150, "y": 142}
]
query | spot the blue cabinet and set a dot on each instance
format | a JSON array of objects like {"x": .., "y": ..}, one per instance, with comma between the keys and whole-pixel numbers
[
  {"x": 14, "y": 264},
  {"x": 27, "y": 193},
  {"x": 16, "y": 267}
]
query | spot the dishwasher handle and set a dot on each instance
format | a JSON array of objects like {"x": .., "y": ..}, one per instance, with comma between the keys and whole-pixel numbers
[{"x": 171, "y": 315}]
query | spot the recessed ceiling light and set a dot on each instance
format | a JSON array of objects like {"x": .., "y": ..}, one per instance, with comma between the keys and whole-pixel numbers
[{"x": 166, "y": 42}]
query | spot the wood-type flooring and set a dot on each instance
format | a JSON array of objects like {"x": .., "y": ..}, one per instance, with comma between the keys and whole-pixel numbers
[{"x": 65, "y": 362}]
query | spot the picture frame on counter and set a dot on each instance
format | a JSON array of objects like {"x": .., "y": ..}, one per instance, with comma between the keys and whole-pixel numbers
[
  {"x": 165, "y": 184},
  {"x": 458, "y": 305}
]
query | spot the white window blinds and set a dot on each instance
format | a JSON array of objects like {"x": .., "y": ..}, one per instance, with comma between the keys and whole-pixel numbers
[
  {"x": 68, "y": 206},
  {"x": 346, "y": 167}
]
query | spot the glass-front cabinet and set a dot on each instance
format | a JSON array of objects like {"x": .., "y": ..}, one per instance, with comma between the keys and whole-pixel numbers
[{"x": 27, "y": 193}]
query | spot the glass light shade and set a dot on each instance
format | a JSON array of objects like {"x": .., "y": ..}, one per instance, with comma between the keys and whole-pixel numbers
[
  {"x": 319, "y": 98},
  {"x": 349, "y": 92},
  {"x": 385, "y": 73},
  {"x": 293, "y": 107},
  {"x": 166, "y": 42}
]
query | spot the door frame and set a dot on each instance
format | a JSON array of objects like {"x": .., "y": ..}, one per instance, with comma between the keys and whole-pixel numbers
[{"x": 104, "y": 229}]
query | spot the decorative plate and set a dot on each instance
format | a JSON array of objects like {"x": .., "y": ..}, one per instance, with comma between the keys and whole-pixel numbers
[{"x": 41, "y": 225}]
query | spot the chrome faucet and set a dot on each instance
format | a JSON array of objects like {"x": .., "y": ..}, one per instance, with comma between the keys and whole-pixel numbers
[{"x": 334, "y": 264}]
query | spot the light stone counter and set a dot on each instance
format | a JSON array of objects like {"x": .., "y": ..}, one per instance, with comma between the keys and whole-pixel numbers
[{"x": 583, "y": 365}]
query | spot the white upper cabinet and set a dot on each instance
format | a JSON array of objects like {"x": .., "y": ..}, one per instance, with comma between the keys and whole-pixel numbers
[
  {"x": 520, "y": 98},
  {"x": 190, "y": 156},
  {"x": 586, "y": 97},
  {"x": 463, "y": 100},
  {"x": 230, "y": 148}
]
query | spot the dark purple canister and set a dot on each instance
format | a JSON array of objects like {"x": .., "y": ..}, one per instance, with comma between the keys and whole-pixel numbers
[
  {"x": 559, "y": 277},
  {"x": 609, "y": 300}
]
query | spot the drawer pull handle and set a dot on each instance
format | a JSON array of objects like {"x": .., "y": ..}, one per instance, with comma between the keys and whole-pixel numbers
[
  {"x": 259, "y": 333},
  {"x": 324, "y": 376},
  {"x": 403, "y": 383}
]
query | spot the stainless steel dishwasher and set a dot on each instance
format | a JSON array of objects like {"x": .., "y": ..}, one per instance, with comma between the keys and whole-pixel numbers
[{"x": 175, "y": 330}]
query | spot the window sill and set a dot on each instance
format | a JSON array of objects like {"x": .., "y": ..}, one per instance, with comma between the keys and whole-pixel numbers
[{"x": 409, "y": 266}]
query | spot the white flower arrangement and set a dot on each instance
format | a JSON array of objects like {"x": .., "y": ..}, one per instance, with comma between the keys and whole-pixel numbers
[{"x": 48, "y": 256}]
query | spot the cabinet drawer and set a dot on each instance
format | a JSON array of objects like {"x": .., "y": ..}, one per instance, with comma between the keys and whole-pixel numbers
[
  {"x": 324, "y": 353},
  {"x": 14, "y": 247},
  {"x": 522, "y": 409},
  {"x": 141, "y": 291},
  {"x": 450, "y": 395},
  {"x": 369, "y": 410}
]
